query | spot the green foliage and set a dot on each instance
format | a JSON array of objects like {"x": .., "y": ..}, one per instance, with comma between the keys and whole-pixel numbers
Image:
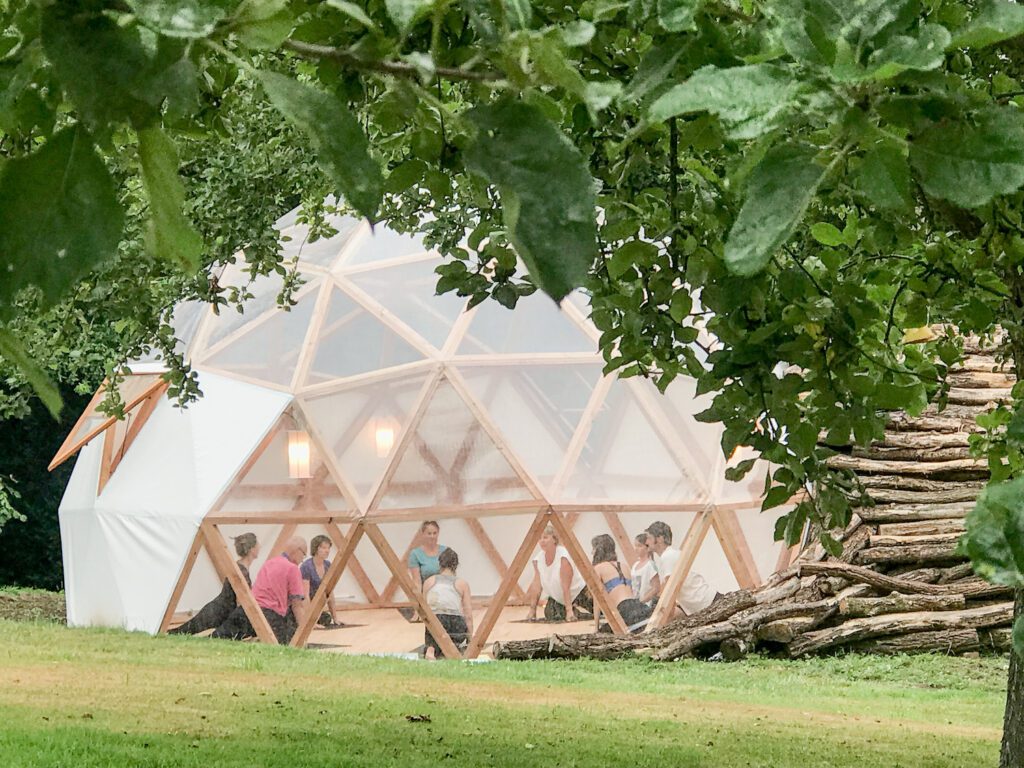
[{"x": 170, "y": 235}]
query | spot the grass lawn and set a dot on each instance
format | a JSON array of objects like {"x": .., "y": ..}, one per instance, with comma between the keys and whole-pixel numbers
[{"x": 86, "y": 698}]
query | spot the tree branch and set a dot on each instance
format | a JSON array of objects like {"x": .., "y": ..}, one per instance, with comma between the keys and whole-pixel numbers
[{"x": 396, "y": 68}]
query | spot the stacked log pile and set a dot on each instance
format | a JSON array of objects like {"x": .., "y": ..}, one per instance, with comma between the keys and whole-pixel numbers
[{"x": 899, "y": 585}]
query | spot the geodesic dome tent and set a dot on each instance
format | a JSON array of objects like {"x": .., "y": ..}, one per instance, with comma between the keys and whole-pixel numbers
[{"x": 369, "y": 406}]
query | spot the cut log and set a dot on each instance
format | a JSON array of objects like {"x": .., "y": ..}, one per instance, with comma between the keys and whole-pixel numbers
[
  {"x": 999, "y": 639},
  {"x": 947, "y": 641},
  {"x": 964, "y": 396},
  {"x": 970, "y": 588},
  {"x": 729, "y": 604},
  {"x": 880, "y": 467},
  {"x": 922, "y": 528},
  {"x": 854, "y": 545},
  {"x": 784, "y": 631},
  {"x": 981, "y": 379},
  {"x": 901, "y": 483},
  {"x": 892, "y": 453},
  {"x": 736, "y": 648},
  {"x": 881, "y": 540},
  {"x": 934, "y": 423},
  {"x": 861, "y": 607},
  {"x": 915, "y": 553},
  {"x": 923, "y": 440},
  {"x": 986, "y": 363},
  {"x": 957, "y": 572},
  {"x": 900, "y": 623},
  {"x": 780, "y": 592},
  {"x": 905, "y": 506}
]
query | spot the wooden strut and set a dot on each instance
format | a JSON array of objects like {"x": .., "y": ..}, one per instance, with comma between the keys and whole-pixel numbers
[
  {"x": 346, "y": 548},
  {"x": 398, "y": 568},
  {"x": 515, "y": 570},
  {"x": 734, "y": 545},
  {"x": 226, "y": 568},
  {"x": 179, "y": 587}
]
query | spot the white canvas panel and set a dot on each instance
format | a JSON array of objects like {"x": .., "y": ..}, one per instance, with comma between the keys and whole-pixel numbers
[
  {"x": 451, "y": 460},
  {"x": 146, "y": 554},
  {"x": 90, "y": 581},
  {"x": 415, "y": 302},
  {"x": 536, "y": 325},
  {"x": 537, "y": 409},
  {"x": 360, "y": 427},
  {"x": 323, "y": 252},
  {"x": 270, "y": 350},
  {"x": 352, "y": 341},
  {"x": 624, "y": 459}
]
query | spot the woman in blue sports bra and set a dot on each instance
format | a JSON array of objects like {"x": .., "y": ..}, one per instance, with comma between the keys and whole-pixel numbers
[{"x": 617, "y": 586}]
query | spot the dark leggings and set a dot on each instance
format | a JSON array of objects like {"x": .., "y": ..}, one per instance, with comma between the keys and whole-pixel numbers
[
  {"x": 555, "y": 611},
  {"x": 238, "y": 627},
  {"x": 456, "y": 628},
  {"x": 211, "y": 615}
]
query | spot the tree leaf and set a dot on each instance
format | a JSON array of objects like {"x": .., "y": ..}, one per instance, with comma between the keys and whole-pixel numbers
[
  {"x": 995, "y": 534},
  {"x": 353, "y": 11},
  {"x": 181, "y": 18},
  {"x": 170, "y": 235},
  {"x": 263, "y": 24},
  {"x": 59, "y": 217},
  {"x": 655, "y": 67},
  {"x": 405, "y": 13},
  {"x": 997, "y": 20},
  {"x": 925, "y": 51},
  {"x": 969, "y": 163},
  {"x": 546, "y": 191},
  {"x": 826, "y": 234},
  {"x": 749, "y": 100},
  {"x": 341, "y": 147},
  {"x": 518, "y": 13},
  {"x": 778, "y": 192},
  {"x": 677, "y": 15},
  {"x": 884, "y": 179},
  {"x": 42, "y": 385}
]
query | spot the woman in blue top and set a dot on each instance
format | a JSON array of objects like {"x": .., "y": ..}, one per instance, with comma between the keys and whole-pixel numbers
[
  {"x": 617, "y": 586},
  {"x": 423, "y": 559},
  {"x": 313, "y": 572}
]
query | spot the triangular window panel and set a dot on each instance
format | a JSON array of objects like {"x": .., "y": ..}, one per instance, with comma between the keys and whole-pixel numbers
[
  {"x": 274, "y": 486},
  {"x": 451, "y": 460},
  {"x": 352, "y": 341},
  {"x": 133, "y": 389},
  {"x": 711, "y": 563},
  {"x": 536, "y": 408},
  {"x": 680, "y": 404},
  {"x": 408, "y": 291},
  {"x": 625, "y": 460},
  {"x": 270, "y": 350},
  {"x": 383, "y": 244},
  {"x": 323, "y": 252},
  {"x": 264, "y": 291},
  {"x": 361, "y": 425},
  {"x": 538, "y": 327}
]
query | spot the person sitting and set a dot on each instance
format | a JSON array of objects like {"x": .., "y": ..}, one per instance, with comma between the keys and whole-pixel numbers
[
  {"x": 313, "y": 571},
  {"x": 280, "y": 595},
  {"x": 211, "y": 615},
  {"x": 620, "y": 594},
  {"x": 644, "y": 573},
  {"x": 423, "y": 561},
  {"x": 556, "y": 577},
  {"x": 695, "y": 594},
  {"x": 449, "y": 598}
]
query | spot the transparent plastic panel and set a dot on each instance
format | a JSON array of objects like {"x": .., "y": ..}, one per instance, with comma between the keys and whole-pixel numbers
[
  {"x": 352, "y": 341},
  {"x": 624, "y": 460},
  {"x": 713, "y": 565},
  {"x": 759, "y": 529},
  {"x": 409, "y": 292},
  {"x": 382, "y": 244},
  {"x": 680, "y": 404},
  {"x": 536, "y": 325},
  {"x": 264, "y": 289},
  {"x": 360, "y": 427},
  {"x": 749, "y": 488},
  {"x": 451, "y": 460},
  {"x": 536, "y": 408},
  {"x": 270, "y": 350},
  {"x": 323, "y": 252},
  {"x": 275, "y": 485}
]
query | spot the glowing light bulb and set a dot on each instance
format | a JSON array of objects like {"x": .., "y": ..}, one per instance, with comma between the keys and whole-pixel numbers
[
  {"x": 384, "y": 437},
  {"x": 298, "y": 454}
]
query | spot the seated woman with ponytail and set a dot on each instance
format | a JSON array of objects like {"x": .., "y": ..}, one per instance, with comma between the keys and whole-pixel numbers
[
  {"x": 618, "y": 588},
  {"x": 212, "y": 614}
]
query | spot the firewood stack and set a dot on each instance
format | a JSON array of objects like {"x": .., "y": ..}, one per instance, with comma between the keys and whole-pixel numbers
[{"x": 899, "y": 585}]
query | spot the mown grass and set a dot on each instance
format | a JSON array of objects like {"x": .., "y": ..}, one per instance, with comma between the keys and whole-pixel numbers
[{"x": 105, "y": 698}]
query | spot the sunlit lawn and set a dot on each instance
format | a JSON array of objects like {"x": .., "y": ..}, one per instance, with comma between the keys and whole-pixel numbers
[{"x": 104, "y": 698}]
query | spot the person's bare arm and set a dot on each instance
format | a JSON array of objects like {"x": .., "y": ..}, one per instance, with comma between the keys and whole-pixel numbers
[
  {"x": 533, "y": 594},
  {"x": 414, "y": 574},
  {"x": 332, "y": 607},
  {"x": 467, "y": 606},
  {"x": 300, "y": 607},
  {"x": 654, "y": 590},
  {"x": 565, "y": 576}
]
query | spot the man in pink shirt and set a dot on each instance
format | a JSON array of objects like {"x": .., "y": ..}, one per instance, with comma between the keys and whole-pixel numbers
[{"x": 279, "y": 593}]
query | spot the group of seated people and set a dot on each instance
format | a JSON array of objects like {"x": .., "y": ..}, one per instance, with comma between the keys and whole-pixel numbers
[{"x": 285, "y": 584}]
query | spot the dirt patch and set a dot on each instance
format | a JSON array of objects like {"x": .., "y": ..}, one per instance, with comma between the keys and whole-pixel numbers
[{"x": 32, "y": 605}]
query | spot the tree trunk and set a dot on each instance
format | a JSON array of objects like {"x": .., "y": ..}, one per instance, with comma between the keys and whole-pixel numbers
[
  {"x": 1012, "y": 753},
  {"x": 950, "y": 641},
  {"x": 914, "y": 553},
  {"x": 862, "y": 607},
  {"x": 917, "y": 512}
]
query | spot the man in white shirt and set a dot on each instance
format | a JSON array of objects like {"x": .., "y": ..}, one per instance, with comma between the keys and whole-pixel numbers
[{"x": 695, "y": 594}]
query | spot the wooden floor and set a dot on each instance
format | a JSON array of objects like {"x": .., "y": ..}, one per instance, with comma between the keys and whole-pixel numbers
[{"x": 385, "y": 631}]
